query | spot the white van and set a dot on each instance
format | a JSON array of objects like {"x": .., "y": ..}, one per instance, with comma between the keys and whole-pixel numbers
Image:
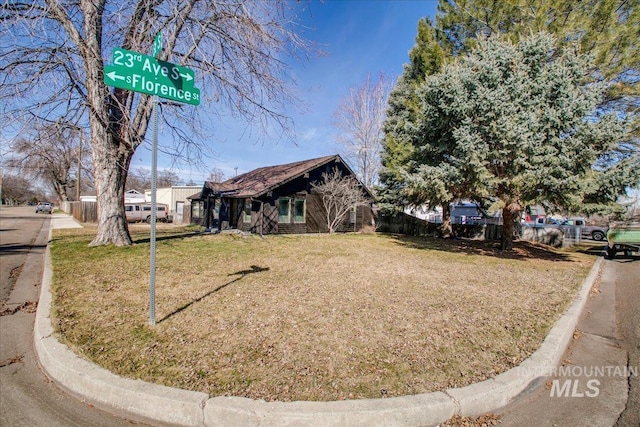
[{"x": 138, "y": 212}]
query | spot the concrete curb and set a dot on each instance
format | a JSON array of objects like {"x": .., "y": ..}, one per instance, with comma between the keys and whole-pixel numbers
[{"x": 158, "y": 403}]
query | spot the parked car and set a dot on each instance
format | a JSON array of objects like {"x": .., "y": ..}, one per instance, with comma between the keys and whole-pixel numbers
[
  {"x": 44, "y": 207},
  {"x": 589, "y": 231}
]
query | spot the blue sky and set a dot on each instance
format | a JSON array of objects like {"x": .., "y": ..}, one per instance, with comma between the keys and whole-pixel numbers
[{"x": 359, "y": 37}]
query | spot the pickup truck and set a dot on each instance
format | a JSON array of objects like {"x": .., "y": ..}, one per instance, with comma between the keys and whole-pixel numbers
[
  {"x": 590, "y": 231},
  {"x": 623, "y": 237}
]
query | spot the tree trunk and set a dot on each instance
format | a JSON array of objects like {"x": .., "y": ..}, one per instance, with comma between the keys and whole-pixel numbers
[
  {"x": 111, "y": 155},
  {"x": 110, "y": 174},
  {"x": 447, "y": 228},
  {"x": 510, "y": 213}
]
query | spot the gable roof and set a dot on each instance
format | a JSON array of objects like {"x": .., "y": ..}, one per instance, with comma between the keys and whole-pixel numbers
[{"x": 262, "y": 180}]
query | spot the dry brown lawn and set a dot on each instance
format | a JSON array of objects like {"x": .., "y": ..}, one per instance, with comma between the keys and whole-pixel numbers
[{"x": 311, "y": 317}]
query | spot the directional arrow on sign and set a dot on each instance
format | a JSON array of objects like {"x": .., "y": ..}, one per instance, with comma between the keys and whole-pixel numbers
[{"x": 113, "y": 76}]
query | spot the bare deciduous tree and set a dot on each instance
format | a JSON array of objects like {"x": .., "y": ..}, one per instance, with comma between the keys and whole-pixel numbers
[
  {"x": 216, "y": 175},
  {"x": 52, "y": 154},
  {"x": 52, "y": 63},
  {"x": 15, "y": 189},
  {"x": 340, "y": 194},
  {"x": 360, "y": 119},
  {"x": 140, "y": 179}
]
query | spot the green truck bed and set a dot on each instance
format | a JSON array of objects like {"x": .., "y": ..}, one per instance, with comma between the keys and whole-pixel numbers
[
  {"x": 623, "y": 238},
  {"x": 622, "y": 235}
]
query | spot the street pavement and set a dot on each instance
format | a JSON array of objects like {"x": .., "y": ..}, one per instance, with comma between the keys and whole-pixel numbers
[
  {"x": 27, "y": 397},
  {"x": 574, "y": 379},
  {"x": 602, "y": 363}
]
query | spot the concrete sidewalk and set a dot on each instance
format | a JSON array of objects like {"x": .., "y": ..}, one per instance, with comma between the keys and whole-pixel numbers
[
  {"x": 155, "y": 403},
  {"x": 62, "y": 220}
]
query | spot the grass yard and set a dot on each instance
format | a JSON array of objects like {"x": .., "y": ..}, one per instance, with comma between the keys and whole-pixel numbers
[{"x": 309, "y": 317}]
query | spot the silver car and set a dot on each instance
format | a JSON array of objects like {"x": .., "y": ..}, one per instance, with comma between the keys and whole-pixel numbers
[{"x": 44, "y": 208}]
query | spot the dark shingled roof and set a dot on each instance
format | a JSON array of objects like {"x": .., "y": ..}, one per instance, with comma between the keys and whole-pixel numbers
[{"x": 262, "y": 180}]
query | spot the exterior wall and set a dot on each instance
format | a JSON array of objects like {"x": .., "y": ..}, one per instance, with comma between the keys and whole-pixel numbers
[{"x": 316, "y": 218}]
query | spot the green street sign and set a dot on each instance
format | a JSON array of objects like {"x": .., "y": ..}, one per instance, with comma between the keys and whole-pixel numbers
[
  {"x": 157, "y": 44},
  {"x": 142, "y": 73}
]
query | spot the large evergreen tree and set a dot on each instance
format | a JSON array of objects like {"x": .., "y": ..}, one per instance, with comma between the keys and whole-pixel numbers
[
  {"x": 512, "y": 122},
  {"x": 608, "y": 30}
]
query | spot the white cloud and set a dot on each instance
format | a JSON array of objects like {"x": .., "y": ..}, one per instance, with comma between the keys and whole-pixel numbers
[{"x": 310, "y": 134}]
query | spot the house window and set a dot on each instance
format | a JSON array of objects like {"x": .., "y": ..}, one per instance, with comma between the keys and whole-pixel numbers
[
  {"x": 352, "y": 215},
  {"x": 197, "y": 209},
  {"x": 247, "y": 211},
  {"x": 299, "y": 210},
  {"x": 284, "y": 213}
]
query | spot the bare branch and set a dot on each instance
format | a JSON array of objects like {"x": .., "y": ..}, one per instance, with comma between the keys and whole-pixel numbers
[{"x": 340, "y": 194}]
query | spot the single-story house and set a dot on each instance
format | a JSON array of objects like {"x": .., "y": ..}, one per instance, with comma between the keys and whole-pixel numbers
[{"x": 276, "y": 200}]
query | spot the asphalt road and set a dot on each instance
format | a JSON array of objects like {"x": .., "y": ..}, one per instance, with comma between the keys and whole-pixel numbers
[
  {"x": 608, "y": 335},
  {"x": 627, "y": 274},
  {"x": 27, "y": 398}
]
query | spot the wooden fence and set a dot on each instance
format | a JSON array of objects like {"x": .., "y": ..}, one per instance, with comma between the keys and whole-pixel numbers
[
  {"x": 82, "y": 211},
  {"x": 403, "y": 223},
  {"x": 409, "y": 225}
]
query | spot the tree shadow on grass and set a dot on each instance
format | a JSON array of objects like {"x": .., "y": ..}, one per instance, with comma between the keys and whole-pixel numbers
[
  {"x": 252, "y": 269},
  {"x": 137, "y": 237},
  {"x": 522, "y": 250},
  {"x": 591, "y": 249}
]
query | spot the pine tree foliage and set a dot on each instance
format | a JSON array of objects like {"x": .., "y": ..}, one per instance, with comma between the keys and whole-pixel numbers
[
  {"x": 426, "y": 58},
  {"x": 513, "y": 122},
  {"x": 608, "y": 30}
]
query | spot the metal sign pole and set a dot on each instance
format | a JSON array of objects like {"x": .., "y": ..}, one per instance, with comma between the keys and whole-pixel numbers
[
  {"x": 157, "y": 48},
  {"x": 152, "y": 239}
]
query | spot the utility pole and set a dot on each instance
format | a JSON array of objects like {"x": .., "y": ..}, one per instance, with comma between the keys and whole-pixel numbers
[{"x": 79, "y": 167}]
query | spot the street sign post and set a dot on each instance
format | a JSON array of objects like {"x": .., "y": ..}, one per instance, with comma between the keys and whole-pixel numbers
[
  {"x": 146, "y": 74},
  {"x": 157, "y": 44}
]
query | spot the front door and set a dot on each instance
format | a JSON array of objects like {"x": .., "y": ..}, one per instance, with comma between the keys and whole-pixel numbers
[{"x": 233, "y": 213}]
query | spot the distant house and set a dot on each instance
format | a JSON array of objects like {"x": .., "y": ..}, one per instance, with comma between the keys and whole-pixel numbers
[
  {"x": 462, "y": 212},
  {"x": 275, "y": 199}
]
